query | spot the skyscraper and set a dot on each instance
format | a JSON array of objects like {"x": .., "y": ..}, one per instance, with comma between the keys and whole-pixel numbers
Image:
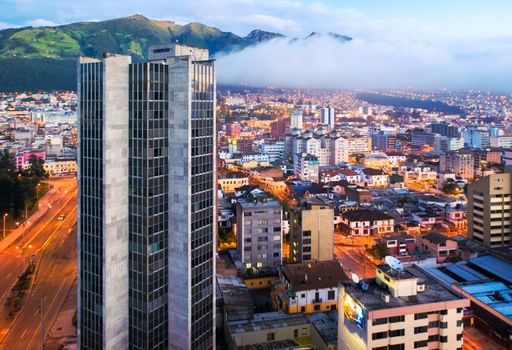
[{"x": 147, "y": 218}]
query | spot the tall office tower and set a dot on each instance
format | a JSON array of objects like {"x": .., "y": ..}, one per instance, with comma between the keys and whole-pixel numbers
[
  {"x": 147, "y": 191},
  {"x": 489, "y": 213},
  {"x": 328, "y": 116}
]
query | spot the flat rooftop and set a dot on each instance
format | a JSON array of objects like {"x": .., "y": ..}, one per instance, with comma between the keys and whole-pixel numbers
[
  {"x": 495, "y": 294},
  {"x": 372, "y": 300},
  {"x": 260, "y": 202},
  {"x": 498, "y": 268},
  {"x": 268, "y": 320}
]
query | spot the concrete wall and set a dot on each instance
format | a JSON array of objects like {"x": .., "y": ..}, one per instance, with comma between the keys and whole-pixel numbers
[{"x": 115, "y": 187}]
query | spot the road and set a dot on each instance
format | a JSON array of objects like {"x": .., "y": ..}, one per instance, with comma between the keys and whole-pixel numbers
[
  {"x": 50, "y": 242},
  {"x": 348, "y": 252}
]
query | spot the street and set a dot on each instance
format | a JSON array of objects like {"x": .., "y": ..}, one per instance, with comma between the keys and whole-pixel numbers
[
  {"x": 348, "y": 251},
  {"x": 52, "y": 244}
]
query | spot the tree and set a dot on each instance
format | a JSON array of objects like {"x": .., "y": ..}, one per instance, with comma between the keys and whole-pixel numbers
[
  {"x": 36, "y": 168},
  {"x": 450, "y": 188},
  {"x": 379, "y": 250}
]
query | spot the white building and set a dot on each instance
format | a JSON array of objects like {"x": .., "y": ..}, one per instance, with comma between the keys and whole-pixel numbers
[
  {"x": 296, "y": 120},
  {"x": 305, "y": 167},
  {"x": 328, "y": 116}
]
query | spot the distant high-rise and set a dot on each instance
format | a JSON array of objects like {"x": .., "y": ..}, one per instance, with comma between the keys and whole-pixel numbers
[
  {"x": 489, "y": 210},
  {"x": 328, "y": 116},
  {"x": 296, "y": 120},
  {"x": 146, "y": 227}
]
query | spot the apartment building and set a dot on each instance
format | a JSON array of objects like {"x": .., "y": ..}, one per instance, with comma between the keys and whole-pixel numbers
[
  {"x": 399, "y": 311},
  {"x": 312, "y": 231},
  {"x": 490, "y": 210},
  {"x": 258, "y": 231}
]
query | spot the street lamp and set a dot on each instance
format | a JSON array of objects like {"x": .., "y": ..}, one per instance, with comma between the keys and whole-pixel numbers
[
  {"x": 37, "y": 192},
  {"x": 5, "y": 217}
]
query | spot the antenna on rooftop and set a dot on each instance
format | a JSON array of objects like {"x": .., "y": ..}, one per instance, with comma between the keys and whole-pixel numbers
[{"x": 394, "y": 263}]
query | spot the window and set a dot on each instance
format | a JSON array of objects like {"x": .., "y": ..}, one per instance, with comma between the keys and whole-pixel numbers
[
  {"x": 331, "y": 295},
  {"x": 434, "y": 337},
  {"x": 459, "y": 310},
  {"x": 459, "y": 336},
  {"x": 443, "y": 312},
  {"x": 397, "y": 333},
  {"x": 459, "y": 323},
  {"x": 443, "y": 339},
  {"x": 397, "y": 347},
  {"x": 378, "y": 321},
  {"x": 421, "y": 316},
  {"x": 433, "y": 324},
  {"x": 418, "y": 330},
  {"x": 271, "y": 336},
  {"x": 317, "y": 307},
  {"x": 295, "y": 333},
  {"x": 396, "y": 319},
  {"x": 379, "y": 335},
  {"x": 420, "y": 344},
  {"x": 306, "y": 234},
  {"x": 302, "y": 309},
  {"x": 381, "y": 348},
  {"x": 443, "y": 325}
]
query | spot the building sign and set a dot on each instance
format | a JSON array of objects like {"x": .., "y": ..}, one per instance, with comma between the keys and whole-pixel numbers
[{"x": 354, "y": 311}]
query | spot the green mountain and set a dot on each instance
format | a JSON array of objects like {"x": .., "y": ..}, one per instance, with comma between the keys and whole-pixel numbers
[{"x": 44, "y": 58}]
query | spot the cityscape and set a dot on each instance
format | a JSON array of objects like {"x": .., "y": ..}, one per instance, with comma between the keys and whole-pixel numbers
[{"x": 164, "y": 184}]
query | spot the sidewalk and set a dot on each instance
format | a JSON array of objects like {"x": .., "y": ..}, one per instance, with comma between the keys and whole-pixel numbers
[{"x": 16, "y": 233}]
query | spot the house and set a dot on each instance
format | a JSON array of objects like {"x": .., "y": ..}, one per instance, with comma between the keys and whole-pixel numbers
[
  {"x": 310, "y": 287},
  {"x": 438, "y": 245},
  {"x": 350, "y": 176},
  {"x": 374, "y": 178},
  {"x": 231, "y": 181},
  {"x": 367, "y": 222}
]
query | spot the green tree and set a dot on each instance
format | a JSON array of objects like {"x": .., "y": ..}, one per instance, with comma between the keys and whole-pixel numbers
[
  {"x": 451, "y": 188},
  {"x": 36, "y": 168},
  {"x": 379, "y": 250}
]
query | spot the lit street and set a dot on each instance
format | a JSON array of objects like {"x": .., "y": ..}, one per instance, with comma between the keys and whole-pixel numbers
[{"x": 52, "y": 244}]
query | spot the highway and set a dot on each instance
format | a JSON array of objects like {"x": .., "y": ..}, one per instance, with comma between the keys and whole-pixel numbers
[{"x": 52, "y": 243}]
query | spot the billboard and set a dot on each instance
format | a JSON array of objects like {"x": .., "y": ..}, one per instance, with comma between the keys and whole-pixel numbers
[{"x": 354, "y": 312}]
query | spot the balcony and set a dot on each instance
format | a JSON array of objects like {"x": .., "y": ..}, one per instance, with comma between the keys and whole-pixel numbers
[{"x": 317, "y": 301}]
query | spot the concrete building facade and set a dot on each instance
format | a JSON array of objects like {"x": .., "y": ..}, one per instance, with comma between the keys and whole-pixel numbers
[
  {"x": 490, "y": 210},
  {"x": 147, "y": 189}
]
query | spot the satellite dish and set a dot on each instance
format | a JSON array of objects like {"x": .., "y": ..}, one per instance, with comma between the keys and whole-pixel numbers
[
  {"x": 355, "y": 278},
  {"x": 394, "y": 263}
]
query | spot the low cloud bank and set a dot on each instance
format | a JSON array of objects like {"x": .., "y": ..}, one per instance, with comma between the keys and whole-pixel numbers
[{"x": 326, "y": 62}]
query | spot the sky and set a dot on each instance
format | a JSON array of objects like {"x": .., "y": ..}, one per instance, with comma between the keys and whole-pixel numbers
[{"x": 397, "y": 43}]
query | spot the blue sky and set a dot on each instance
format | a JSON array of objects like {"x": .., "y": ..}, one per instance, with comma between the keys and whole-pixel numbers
[{"x": 453, "y": 18}]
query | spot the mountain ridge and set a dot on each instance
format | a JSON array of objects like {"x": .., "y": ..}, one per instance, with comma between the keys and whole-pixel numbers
[{"x": 51, "y": 47}]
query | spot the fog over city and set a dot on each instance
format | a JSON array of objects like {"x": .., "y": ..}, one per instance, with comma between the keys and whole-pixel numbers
[{"x": 326, "y": 62}]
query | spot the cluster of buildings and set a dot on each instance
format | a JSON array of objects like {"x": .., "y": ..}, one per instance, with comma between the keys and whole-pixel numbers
[
  {"x": 345, "y": 182},
  {"x": 43, "y": 125}
]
